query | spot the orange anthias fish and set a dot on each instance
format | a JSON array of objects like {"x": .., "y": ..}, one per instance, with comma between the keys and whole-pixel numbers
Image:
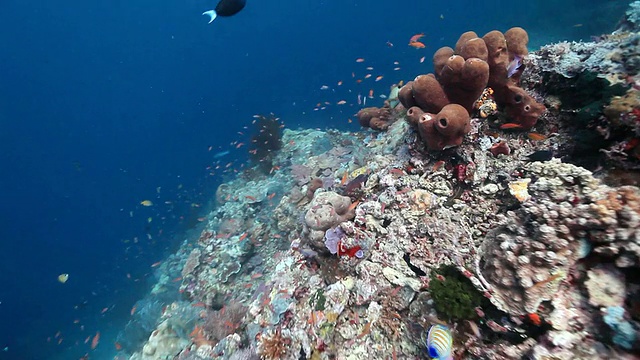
[
  {"x": 535, "y": 319},
  {"x": 416, "y": 37},
  {"x": 631, "y": 144},
  {"x": 536, "y": 136},
  {"x": 417, "y": 45},
  {"x": 510, "y": 126},
  {"x": 95, "y": 341}
]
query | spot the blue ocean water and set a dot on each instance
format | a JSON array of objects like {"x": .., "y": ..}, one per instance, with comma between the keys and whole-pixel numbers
[{"x": 104, "y": 105}]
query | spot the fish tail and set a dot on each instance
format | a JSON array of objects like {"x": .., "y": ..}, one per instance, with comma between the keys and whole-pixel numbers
[{"x": 212, "y": 14}]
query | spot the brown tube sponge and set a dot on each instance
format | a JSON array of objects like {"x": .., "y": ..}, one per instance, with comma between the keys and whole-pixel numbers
[
  {"x": 464, "y": 80},
  {"x": 428, "y": 94},
  {"x": 498, "y": 59},
  {"x": 441, "y": 57},
  {"x": 444, "y": 129},
  {"x": 474, "y": 48},
  {"x": 521, "y": 107},
  {"x": 462, "y": 40},
  {"x": 517, "y": 40},
  {"x": 462, "y": 74},
  {"x": 378, "y": 124},
  {"x": 414, "y": 114},
  {"x": 375, "y": 118},
  {"x": 405, "y": 95}
]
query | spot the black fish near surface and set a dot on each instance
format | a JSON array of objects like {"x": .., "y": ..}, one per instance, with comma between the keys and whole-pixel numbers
[{"x": 225, "y": 8}]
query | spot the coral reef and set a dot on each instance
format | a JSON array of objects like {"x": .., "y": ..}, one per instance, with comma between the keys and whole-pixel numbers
[{"x": 353, "y": 244}]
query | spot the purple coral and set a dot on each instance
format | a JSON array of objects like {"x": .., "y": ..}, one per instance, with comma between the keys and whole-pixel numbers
[{"x": 332, "y": 237}]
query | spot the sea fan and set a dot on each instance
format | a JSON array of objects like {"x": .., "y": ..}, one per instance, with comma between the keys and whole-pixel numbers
[
  {"x": 219, "y": 324},
  {"x": 266, "y": 141}
]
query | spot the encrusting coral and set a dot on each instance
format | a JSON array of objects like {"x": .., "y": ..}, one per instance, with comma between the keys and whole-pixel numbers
[
  {"x": 327, "y": 209},
  {"x": 526, "y": 259}
]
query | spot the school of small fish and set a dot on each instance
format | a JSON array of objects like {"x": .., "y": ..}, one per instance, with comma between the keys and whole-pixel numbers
[{"x": 360, "y": 96}]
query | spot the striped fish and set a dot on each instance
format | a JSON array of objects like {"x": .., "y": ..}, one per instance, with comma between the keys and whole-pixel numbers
[{"x": 439, "y": 342}]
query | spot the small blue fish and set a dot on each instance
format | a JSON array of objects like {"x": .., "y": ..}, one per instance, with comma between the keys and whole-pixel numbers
[
  {"x": 439, "y": 342},
  {"x": 514, "y": 65},
  {"x": 220, "y": 154}
]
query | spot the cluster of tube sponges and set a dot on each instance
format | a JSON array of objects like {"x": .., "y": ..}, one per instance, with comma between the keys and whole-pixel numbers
[{"x": 439, "y": 103}]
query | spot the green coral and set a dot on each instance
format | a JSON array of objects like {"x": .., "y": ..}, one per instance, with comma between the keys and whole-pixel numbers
[
  {"x": 319, "y": 300},
  {"x": 453, "y": 295}
]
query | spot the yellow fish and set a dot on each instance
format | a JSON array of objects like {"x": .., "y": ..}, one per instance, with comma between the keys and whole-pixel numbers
[
  {"x": 519, "y": 189},
  {"x": 146, "y": 203},
  {"x": 63, "y": 278},
  {"x": 358, "y": 171},
  {"x": 439, "y": 342}
]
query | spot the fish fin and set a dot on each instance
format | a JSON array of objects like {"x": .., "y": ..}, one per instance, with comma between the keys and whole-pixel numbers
[{"x": 212, "y": 14}]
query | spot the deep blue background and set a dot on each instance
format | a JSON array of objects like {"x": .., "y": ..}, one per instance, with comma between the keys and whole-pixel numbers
[{"x": 103, "y": 102}]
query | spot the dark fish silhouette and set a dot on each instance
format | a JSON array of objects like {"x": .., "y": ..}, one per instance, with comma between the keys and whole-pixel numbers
[
  {"x": 226, "y": 8},
  {"x": 541, "y": 155}
]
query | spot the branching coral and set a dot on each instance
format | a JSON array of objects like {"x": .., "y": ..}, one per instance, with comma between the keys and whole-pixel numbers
[{"x": 273, "y": 344}]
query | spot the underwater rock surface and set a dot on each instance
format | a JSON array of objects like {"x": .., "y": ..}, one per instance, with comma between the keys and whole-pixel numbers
[{"x": 546, "y": 232}]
